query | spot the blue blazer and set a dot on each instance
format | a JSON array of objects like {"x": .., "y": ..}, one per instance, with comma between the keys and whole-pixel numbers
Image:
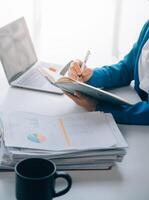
[{"x": 121, "y": 74}]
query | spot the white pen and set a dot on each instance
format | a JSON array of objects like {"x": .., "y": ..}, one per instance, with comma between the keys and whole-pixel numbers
[{"x": 84, "y": 61}]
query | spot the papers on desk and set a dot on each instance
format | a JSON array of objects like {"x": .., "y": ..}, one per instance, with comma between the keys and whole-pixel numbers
[{"x": 89, "y": 140}]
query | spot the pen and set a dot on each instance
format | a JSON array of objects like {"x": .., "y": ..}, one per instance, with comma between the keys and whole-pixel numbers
[
  {"x": 83, "y": 66},
  {"x": 84, "y": 61}
]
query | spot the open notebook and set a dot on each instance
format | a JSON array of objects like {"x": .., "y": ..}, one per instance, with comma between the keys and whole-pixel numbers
[{"x": 67, "y": 84}]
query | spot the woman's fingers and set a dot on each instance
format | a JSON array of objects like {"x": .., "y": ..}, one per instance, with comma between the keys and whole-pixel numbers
[
  {"x": 74, "y": 69},
  {"x": 75, "y": 72},
  {"x": 78, "y": 61},
  {"x": 79, "y": 95},
  {"x": 83, "y": 101},
  {"x": 68, "y": 94},
  {"x": 86, "y": 75},
  {"x": 73, "y": 97}
]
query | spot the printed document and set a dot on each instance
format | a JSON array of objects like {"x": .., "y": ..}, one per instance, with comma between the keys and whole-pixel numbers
[{"x": 88, "y": 130}]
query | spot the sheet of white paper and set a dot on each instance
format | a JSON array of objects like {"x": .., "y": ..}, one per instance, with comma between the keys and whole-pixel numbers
[
  {"x": 89, "y": 130},
  {"x": 75, "y": 131}
]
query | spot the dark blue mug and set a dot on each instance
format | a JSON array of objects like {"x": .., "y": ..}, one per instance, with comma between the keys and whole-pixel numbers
[{"x": 36, "y": 178}]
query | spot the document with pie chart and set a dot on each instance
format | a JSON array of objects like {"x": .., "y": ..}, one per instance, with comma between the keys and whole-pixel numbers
[{"x": 88, "y": 130}]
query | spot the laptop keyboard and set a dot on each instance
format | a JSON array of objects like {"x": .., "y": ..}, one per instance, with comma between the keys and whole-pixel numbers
[{"x": 33, "y": 78}]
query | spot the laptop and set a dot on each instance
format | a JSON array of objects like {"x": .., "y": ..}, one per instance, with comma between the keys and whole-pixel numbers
[{"x": 19, "y": 60}]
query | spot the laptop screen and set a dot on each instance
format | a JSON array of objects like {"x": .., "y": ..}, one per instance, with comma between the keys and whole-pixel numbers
[{"x": 16, "y": 49}]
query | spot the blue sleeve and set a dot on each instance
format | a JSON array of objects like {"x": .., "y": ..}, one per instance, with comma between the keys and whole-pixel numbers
[
  {"x": 120, "y": 74},
  {"x": 117, "y": 75},
  {"x": 137, "y": 114}
]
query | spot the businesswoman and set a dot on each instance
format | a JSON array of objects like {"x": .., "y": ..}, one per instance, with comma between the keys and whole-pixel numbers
[{"x": 134, "y": 66}]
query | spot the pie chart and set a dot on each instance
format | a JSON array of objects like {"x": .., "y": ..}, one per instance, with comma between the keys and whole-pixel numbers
[{"x": 37, "y": 137}]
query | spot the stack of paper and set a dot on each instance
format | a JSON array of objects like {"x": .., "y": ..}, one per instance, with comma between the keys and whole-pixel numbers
[{"x": 89, "y": 140}]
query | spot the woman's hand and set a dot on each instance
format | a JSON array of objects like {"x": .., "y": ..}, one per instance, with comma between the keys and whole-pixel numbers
[
  {"x": 75, "y": 72},
  {"x": 86, "y": 102}
]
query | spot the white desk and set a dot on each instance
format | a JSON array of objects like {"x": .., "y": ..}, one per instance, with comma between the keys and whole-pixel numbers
[{"x": 127, "y": 181}]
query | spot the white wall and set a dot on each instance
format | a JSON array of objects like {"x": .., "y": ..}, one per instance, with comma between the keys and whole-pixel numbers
[
  {"x": 107, "y": 27},
  {"x": 71, "y": 27},
  {"x": 12, "y": 9},
  {"x": 64, "y": 29},
  {"x": 134, "y": 14}
]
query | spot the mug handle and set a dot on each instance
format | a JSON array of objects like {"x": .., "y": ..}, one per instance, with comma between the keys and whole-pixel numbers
[{"x": 69, "y": 181}]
